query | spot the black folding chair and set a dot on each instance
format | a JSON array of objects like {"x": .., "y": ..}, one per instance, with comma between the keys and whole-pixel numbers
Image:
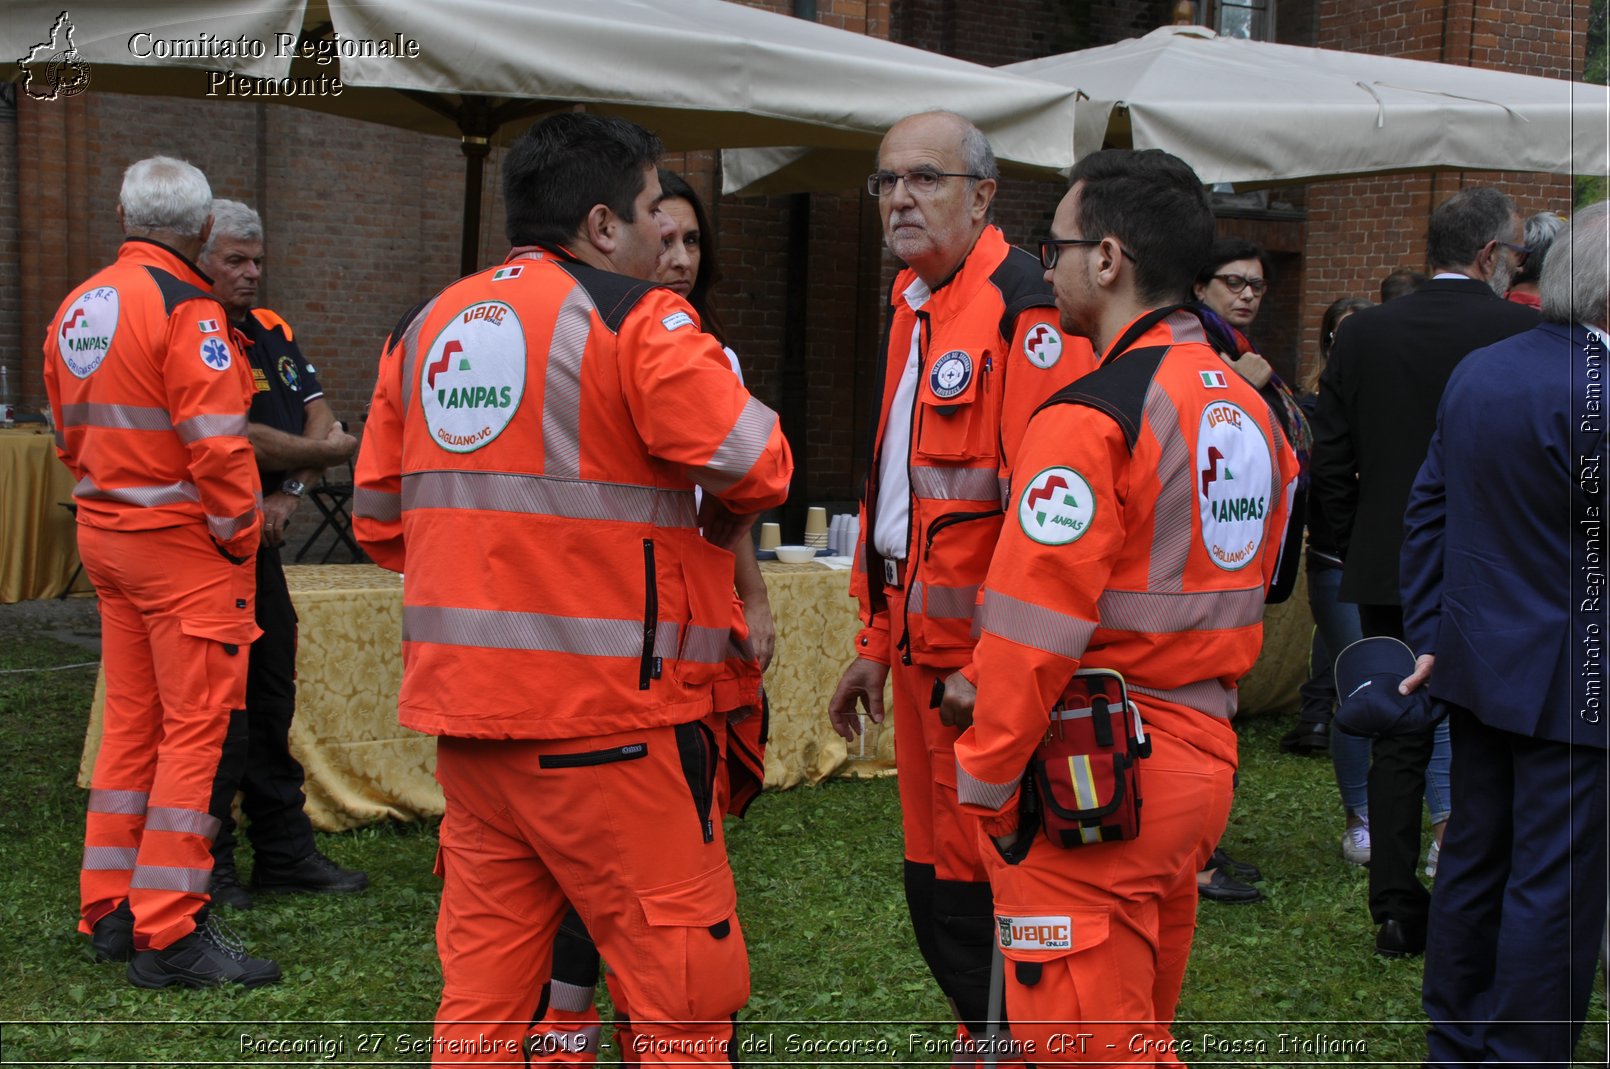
[{"x": 334, "y": 502}]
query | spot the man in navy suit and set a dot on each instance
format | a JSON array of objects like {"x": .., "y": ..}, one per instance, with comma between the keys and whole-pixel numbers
[
  {"x": 1504, "y": 597},
  {"x": 1376, "y": 410}
]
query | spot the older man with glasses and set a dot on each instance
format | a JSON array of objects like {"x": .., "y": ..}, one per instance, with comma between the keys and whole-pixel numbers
[{"x": 973, "y": 348}]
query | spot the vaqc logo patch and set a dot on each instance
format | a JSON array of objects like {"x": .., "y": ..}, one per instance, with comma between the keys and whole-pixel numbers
[
  {"x": 1036, "y": 933},
  {"x": 87, "y": 328},
  {"x": 1234, "y": 480},
  {"x": 473, "y": 377}
]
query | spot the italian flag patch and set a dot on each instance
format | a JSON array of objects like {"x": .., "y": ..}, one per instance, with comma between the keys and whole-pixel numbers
[
  {"x": 1214, "y": 380},
  {"x": 504, "y": 273}
]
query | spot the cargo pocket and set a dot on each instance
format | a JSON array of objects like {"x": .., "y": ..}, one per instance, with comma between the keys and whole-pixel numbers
[
  {"x": 955, "y": 555},
  {"x": 957, "y": 430},
  {"x": 226, "y": 642},
  {"x": 703, "y": 640},
  {"x": 693, "y": 924}
]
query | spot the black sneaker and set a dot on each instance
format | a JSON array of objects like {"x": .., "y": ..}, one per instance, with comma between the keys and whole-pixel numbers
[
  {"x": 315, "y": 873},
  {"x": 113, "y": 937},
  {"x": 1241, "y": 870},
  {"x": 225, "y": 888},
  {"x": 210, "y": 956},
  {"x": 1306, "y": 738}
]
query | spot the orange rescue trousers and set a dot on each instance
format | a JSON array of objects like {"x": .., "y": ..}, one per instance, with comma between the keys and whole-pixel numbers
[
  {"x": 176, "y": 622},
  {"x": 1096, "y": 937},
  {"x": 623, "y": 826}
]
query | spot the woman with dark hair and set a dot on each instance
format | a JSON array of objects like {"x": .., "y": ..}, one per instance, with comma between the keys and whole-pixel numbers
[
  {"x": 1229, "y": 291},
  {"x": 569, "y": 1029}
]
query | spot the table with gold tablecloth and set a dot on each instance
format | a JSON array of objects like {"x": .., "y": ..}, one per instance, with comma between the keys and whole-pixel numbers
[
  {"x": 38, "y": 543},
  {"x": 362, "y": 766}
]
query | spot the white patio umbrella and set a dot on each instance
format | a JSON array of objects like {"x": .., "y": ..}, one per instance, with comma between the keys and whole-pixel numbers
[
  {"x": 1254, "y": 113},
  {"x": 700, "y": 73}
]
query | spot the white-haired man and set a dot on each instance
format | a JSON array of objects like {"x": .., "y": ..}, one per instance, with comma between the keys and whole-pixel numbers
[
  {"x": 149, "y": 399},
  {"x": 294, "y": 436}
]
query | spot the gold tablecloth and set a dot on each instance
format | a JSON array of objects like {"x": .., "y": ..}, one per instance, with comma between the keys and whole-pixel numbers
[
  {"x": 38, "y": 542},
  {"x": 362, "y": 766}
]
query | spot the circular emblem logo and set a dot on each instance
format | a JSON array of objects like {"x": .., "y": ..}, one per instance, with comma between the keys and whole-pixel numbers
[
  {"x": 215, "y": 354},
  {"x": 288, "y": 373},
  {"x": 473, "y": 377},
  {"x": 950, "y": 375},
  {"x": 1043, "y": 345},
  {"x": 1057, "y": 507},
  {"x": 85, "y": 335},
  {"x": 1234, "y": 479}
]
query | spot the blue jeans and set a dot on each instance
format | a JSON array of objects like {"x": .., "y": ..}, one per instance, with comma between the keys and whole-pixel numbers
[{"x": 1336, "y": 627}]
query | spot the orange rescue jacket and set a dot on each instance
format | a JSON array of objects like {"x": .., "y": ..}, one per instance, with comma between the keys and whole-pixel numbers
[
  {"x": 529, "y": 463},
  {"x": 1149, "y": 507},
  {"x": 990, "y": 351},
  {"x": 149, "y": 397}
]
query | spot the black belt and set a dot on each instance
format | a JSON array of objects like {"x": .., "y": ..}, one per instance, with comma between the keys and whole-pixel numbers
[{"x": 894, "y": 573}]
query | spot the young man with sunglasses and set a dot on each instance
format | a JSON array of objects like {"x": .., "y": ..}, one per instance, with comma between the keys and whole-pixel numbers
[{"x": 973, "y": 347}]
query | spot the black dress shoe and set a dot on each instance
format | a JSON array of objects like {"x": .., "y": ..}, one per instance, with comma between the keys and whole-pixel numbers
[
  {"x": 1221, "y": 887},
  {"x": 1241, "y": 870},
  {"x": 1397, "y": 940},
  {"x": 225, "y": 888},
  {"x": 113, "y": 937},
  {"x": 315, "y": 873},
  {"x": 1306, "y": 738}
]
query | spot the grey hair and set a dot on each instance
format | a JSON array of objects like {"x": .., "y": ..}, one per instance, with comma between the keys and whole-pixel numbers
[
  {"x": 1539, "y": 233},
  {"x": 1576, "y": 275},
  {"x": 233, "y": 220},
  {"x": 165, "y": 194},
  {"x": 1462, "y": 225}
]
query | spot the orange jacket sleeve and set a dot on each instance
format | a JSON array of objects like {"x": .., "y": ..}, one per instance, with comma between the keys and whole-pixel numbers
[
  {"x": 691, "y": 410},
  {"x": 209, "y": 387},
  {"x": 377, "y": 477}
]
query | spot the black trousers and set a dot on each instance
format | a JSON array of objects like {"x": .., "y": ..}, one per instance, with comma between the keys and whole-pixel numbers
[
  {"x": 1396, "y": 789},
  {"x": 257, "y": 757}
]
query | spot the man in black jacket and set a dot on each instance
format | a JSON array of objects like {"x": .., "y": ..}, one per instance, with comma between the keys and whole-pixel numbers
[{"x": 1377, "y": 408}]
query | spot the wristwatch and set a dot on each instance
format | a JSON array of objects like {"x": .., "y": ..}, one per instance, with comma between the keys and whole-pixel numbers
[{"x": 293, "y": 487}]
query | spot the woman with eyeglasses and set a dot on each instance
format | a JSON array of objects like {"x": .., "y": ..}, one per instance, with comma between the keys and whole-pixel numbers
[
  {"x": 569, "y": 1031},
  {"x": 1229, "y": 291}
]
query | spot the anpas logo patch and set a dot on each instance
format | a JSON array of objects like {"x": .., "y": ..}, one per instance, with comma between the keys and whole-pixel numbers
[
  {"x": 1057, "y": 507},
  {"x": 1235, "y": 473},
  {"x": 473, "y": 377},
  {"x": 87, "y": 330},
  {"x": 1043, "y": 345}
]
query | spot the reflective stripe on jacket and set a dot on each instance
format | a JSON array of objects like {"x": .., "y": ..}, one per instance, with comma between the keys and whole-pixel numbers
[
  {"x": 529, "y": 464},
  {"x": 997, "y": 312},
  {"x": 149, "y": 398},
  {"x": 1147, "y": 516}
]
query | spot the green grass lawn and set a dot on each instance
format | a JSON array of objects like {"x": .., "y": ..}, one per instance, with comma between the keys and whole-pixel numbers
[{"x": 819, "y": 883}]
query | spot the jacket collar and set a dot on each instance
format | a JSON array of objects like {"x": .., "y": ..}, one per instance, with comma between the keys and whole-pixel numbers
[
  {"x": 166, "y": 257},
  {"x": 976, "y": 267}
]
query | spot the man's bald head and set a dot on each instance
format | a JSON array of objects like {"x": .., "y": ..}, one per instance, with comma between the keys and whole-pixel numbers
[{"x": 934, "y": 227}]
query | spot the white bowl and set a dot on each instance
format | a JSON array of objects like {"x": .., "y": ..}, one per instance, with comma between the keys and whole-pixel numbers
[{"x": 795, "y": 554}]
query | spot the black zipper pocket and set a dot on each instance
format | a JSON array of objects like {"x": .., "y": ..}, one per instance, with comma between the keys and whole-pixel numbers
[
  {"x": 951, "y": 519},
  {"x": 649, "y": 666},
  {"x": 696, "y": 745},
  {"x": 630, "y": 752}
]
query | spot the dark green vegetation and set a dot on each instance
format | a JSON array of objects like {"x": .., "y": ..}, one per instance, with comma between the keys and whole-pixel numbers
[{"x": 819, "y": 881}]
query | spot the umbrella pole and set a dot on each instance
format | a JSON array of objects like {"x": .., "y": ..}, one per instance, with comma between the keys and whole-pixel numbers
[{"x": 475, "y": 150}]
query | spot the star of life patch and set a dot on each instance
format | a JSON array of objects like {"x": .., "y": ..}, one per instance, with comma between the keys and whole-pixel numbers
[
  {"x": 1043, "y": 345},
  {"x": 1051, "y": 932},
  {"x": 1057, "y": 507},
  {"x": 215, "y": 354},
  {"x": 675, "y": 320}
]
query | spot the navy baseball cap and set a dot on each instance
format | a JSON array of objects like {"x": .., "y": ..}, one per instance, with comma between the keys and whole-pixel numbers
[{"x": 1367, "y": 676}]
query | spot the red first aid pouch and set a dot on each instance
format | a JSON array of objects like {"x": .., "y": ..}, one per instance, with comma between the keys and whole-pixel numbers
[{"x": 1087, "y": 770}]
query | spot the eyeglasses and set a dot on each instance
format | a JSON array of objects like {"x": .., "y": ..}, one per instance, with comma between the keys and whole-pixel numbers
[
  {"x": 1237, "y": 283},
  {"x": 918, "y": 183},
  {"x": 1050, "y": 249},
  {"x": 1521, "y": 251}
]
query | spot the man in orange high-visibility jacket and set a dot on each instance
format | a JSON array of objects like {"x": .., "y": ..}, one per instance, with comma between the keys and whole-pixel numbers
[
  {"x": 972, "y": 347},
  {"x": 149, "y": 398},
  {"x": 1148, "y": 507},
  {"x": 529, "y": 463}
]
